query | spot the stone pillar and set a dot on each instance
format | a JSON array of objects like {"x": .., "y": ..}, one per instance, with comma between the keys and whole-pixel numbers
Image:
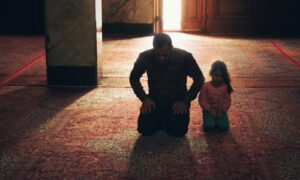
[{"x": 71, "y": 50}]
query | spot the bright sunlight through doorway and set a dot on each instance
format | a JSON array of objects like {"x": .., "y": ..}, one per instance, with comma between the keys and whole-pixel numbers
[{"x": 172, "y": 15}]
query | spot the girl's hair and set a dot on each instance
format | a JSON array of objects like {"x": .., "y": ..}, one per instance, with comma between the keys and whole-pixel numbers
[{"x": 221, "y": 66}]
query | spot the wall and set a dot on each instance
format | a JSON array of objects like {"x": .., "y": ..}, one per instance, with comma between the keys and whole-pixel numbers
[
  {"x": 253, "y": 16},
  {"x": 99, "y": 39},
  {"x": 99, "y": 15},
  {"x": 21, "y": 16},
  {"x": 127, "y": 11},
  {"x": 127, "y": 16}
]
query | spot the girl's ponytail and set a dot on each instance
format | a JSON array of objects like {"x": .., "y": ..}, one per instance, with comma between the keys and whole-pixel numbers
[{"x": 227, "y": 82}]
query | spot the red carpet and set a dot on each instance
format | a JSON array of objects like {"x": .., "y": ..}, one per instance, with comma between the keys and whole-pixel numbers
[{"x": 91, "y": 134}]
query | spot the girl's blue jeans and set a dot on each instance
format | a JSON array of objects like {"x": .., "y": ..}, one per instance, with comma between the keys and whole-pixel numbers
[{"x": 210, "y": 123}]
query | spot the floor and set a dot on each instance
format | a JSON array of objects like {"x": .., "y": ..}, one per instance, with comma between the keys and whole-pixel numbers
[{"x": 91, "y": 133}]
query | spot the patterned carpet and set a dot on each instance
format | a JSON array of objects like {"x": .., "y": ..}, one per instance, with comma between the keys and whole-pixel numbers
[{"x": 91, "y": 133}]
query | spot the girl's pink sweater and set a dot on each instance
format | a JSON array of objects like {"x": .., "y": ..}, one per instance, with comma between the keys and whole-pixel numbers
[{"x": 214, "y": 96}]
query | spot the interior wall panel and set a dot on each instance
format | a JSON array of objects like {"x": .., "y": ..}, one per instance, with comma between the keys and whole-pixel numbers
[
  {"x": 232, "y": 8},
  {"x": 253, "y": 16}
]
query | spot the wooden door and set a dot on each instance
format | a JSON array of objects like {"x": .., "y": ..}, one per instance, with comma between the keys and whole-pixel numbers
[
  {"x": 230, "y": 16},
  {"x": 194, "y": 15}
]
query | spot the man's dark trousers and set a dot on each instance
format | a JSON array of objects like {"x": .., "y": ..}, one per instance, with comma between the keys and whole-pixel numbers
[{"x": 163, "y": 118}]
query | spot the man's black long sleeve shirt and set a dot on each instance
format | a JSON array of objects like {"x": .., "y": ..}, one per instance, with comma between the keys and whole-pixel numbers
[{"x": 167, "y": 82}]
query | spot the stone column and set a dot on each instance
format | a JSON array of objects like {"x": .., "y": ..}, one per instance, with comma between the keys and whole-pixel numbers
[{"x": 71, "y": 50}]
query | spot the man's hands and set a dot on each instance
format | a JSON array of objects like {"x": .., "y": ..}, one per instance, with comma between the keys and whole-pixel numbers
[
  {"x": 147, "y": 106},
  {"x": 180, "y": 107}
]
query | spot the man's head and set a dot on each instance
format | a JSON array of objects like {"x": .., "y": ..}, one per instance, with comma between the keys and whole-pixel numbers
[{"x": 162, "y": 45}]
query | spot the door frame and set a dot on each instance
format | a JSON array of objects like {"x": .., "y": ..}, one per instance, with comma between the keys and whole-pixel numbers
[
  {"x": 157, "y": 18},
  {"x": 199, "y": 18}
]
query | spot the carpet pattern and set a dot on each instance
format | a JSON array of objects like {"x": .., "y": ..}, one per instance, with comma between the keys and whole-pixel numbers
[
  {"x": 91, "y": 133},
  {"x": 17, "y": 50}
]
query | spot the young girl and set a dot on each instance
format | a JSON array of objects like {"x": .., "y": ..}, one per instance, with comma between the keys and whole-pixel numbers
[{"x": 215, "y": 98}]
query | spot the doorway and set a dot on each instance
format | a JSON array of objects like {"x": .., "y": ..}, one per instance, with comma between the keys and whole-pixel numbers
[
  {"x": 172, "y": 15},
  {"x": 180, "y": 15}
]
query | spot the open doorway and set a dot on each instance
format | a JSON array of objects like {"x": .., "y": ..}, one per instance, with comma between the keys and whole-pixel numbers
[
  {"x": 172, "y": 15},
  {"x": 180, "y": 15}
]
